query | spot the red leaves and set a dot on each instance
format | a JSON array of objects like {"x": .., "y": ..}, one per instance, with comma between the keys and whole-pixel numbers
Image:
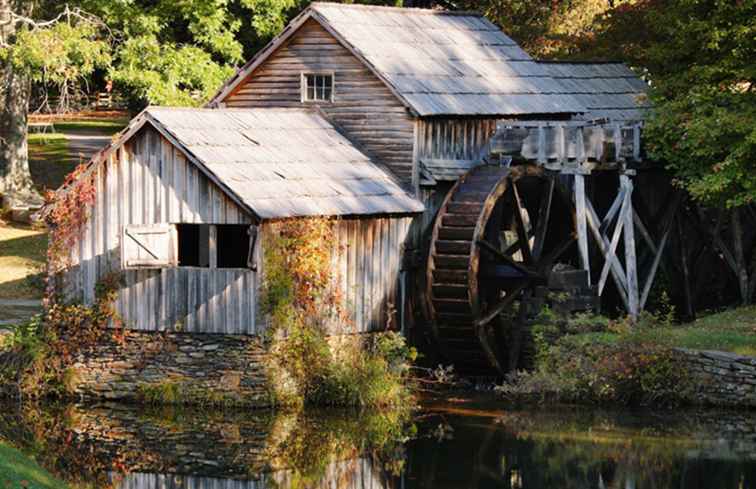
[{"x": 70, "y": 212}]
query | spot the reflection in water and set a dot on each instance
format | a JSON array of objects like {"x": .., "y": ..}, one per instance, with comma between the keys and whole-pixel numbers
[{"x": 119, "y": 447}]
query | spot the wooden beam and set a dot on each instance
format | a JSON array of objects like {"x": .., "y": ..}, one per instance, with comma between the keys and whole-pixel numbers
[
  {"x": 741, "y": 272},
  {"x": 544, "y": 213},
  {"x": 213, "y": 245},
  {"x": 689, "y": 310},
  {"x": 652, "y": 270},
  {"x": 631, "y": 265},
  {"x": 612, "y": 251},
  {"x": 613, "y": 209},
  {"x": 506, "y": 259},
  {"x": 582, "y": 233},
  {"x": 503, "y": 304},
  {"x": 617, "y": 271},
  {"x": 522, "y": 229}
]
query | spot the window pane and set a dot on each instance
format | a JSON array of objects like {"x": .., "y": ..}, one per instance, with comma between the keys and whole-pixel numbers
[
  {"x": 327, "y": 93},
  {"x": 233, "y": 245},
  {"x": 310, "y": 92}
]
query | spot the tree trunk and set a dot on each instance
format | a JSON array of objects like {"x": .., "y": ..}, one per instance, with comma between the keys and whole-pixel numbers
[{"x": 15, "y": 89}]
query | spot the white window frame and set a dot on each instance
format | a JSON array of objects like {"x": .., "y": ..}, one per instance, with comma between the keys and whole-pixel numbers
[{"x": 303, "y": 86}]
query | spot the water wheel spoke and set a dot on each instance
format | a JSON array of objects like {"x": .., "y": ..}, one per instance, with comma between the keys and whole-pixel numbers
[
  {"x": 506, "y": 259},
  {"x": 522, "y": 231},
  {"x": 544, "y": 213},
  {"x": 492, "y": 242},
  {"x": 554, "y": 254},
  {"x": 503, "y": 304}
]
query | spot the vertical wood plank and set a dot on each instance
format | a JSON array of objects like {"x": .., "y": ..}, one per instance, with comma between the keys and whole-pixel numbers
[
  {"x": 361, "y": 276},
  {"x": 370, "y": 269},
  {"x": 582, "y": 231},
  {"x": 630, "y": 259},
  {"x": 351, "y": 289},
  {"x": 192, "y": 287}
]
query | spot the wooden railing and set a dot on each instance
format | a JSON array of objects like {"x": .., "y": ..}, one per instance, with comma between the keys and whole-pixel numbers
[{"x": 568, "y": 143}]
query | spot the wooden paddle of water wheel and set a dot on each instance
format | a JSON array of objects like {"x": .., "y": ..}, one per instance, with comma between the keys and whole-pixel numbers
[{"x": 495, "y": 240}]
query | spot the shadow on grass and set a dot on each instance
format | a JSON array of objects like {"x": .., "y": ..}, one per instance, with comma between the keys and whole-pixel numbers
[{"x": 22, "y": 260}]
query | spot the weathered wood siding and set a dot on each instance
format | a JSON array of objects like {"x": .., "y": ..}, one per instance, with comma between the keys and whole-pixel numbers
[
  {"x": 356, "y": 473},
  {"x": 454, "y": 139},
  {"x": 363, "y": 105},
  {"x": 148, "y": 181},
  {"x": 367, "y": 263}
]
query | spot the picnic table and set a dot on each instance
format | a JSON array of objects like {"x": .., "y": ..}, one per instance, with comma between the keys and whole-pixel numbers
[{"x": 41, "y": 127}]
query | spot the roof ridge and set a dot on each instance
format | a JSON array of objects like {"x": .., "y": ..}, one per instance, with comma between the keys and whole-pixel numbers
[
  {"x": 234, "y": 109},
  {"x": 576, "y": 62},
  {"x": 413, "y": 10}
]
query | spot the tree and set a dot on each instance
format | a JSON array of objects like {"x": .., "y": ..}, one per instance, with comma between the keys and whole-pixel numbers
[
  {"x": 61, "y": 50},
  {"x": 700, "y": 59},
  {"x": 15, "y": 87}
]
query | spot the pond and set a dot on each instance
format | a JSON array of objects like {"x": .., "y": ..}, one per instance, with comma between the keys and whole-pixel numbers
[{"x": 451, "y": 444}]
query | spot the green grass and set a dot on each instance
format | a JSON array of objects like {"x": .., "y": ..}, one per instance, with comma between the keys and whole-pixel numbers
[
  {"x": 733, "y": 330},
  {"x": 50, "y": 157},
  {"x": 50, "y": 160},
  {"x": 19, "y": 471},
  {"x": 22, "y": 258},
  {"x": 91, "y": 126}
]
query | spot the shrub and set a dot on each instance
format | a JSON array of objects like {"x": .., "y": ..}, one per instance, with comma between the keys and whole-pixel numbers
[
  {"x": 599, "y": 367},
  {"x": 36, "y": 357},
  {"x": 302, "y": 300}
]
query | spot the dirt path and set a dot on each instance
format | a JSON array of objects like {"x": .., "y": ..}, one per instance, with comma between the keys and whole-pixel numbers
[{"x": 85, "y": 145}]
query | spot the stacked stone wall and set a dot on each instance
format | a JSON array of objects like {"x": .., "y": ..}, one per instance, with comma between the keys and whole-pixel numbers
[
  {"x": 209, "y": 366},
  {"x": 721, "y": 378}
]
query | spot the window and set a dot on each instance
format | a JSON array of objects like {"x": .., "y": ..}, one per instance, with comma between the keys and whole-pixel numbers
[
  {"x": 148, "y": 246},
  {"x": 317, "y": 87},
  {"x": 189, "y": 245},
  {"x": 233, "y": 246}
]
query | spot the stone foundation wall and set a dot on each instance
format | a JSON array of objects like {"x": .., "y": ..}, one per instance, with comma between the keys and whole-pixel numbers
[
  {"x": 196, "y": 367},
  {"x": 226, "y": 368},
  {"x": 721, "y": 378}
]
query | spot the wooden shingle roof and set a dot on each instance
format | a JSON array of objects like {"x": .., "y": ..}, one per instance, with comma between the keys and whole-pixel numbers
[
  {"x": 284, "y": 162},
  {"x": 436, "y": 62},
  {"x": 607, "y": 90}
]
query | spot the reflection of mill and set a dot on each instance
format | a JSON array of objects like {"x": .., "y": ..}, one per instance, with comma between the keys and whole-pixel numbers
[{"x": 358, "y": 473}]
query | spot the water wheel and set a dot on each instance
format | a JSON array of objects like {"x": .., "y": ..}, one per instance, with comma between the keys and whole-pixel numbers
[{"x": 495, "y": 240}]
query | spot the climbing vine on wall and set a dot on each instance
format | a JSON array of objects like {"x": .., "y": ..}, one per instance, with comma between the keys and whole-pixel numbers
[
  {"x": 302, "y": 301},
  {"x": 69, "y": 211}
]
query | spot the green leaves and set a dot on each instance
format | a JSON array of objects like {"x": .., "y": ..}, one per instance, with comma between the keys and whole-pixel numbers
[
  {"x": 704, "y": 124},
  {"x": 60, "y": 53},
  {"x": 166, "y": 74}
]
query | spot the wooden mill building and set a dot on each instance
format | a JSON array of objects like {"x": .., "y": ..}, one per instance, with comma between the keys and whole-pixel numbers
[{"x": 461, "y": 171}]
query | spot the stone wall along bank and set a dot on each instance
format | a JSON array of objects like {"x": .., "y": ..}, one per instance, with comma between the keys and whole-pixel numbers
[
  {"x": 721, "y": 378},
  {"x": 228, "y": 369}
]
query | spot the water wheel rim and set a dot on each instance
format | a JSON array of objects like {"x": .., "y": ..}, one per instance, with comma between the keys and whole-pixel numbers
[{"x": 492, "y": 196}]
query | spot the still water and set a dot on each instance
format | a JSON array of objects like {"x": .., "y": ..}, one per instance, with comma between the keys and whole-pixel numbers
[{"x": 457, "y": 444}]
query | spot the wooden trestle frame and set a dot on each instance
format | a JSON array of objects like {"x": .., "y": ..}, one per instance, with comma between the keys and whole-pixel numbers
[{"x": 579, "y": 149}]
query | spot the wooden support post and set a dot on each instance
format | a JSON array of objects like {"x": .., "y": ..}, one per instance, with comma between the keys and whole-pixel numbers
[
  {"x": 579, "y": 146},
  {"x": 213, "y": 246},
  {"x": 618, "y": 273},
  {"x": 615, "y": 241},
  {"x": 689, "y": 310},
  {"x": 617, "y": 143},
  {"x": 541, "y": 145},
  {"x": 740, "y": 269},
  {"x": 630, "y": 258},
  {"x": 582, "y": 232}
]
